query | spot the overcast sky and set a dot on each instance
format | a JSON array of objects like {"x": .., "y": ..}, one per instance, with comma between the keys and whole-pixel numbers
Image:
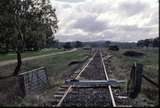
[{"x": 115, "y": 20}]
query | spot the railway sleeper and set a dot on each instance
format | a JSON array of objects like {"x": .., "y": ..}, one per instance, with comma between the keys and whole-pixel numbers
[
  {"x": 60, "y": 92},
  {"x": 61, "y": 89},
  {"x": 58, "y": 96},
  {"x": 53, "y": 102},
  {"x": 64, "y": 86},
  {"x": 87, "y": 98},
  {"x": 94, "y": 83}
]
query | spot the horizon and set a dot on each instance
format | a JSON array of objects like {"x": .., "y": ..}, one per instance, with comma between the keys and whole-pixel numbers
[
  {"x": 107, "y": 40},
  {"x": 98, "y": 41}
]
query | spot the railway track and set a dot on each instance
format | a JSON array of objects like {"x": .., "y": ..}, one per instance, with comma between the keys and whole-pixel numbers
[{"x": 94, "y": 69}]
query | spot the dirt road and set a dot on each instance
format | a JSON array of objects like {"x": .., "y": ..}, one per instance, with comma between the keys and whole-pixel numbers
[{"x": 3, "y": 63}]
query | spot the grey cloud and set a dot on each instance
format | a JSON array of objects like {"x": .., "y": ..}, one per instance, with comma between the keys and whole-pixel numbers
[
  {"x": 74, "y": 37},
  {"x": 89, "y": 24},
  {"x": 132, "y": 8},
  {"x": 122, "y": 33},
  {"x": 94, "y": 29},
  {"x": 132, "y": 28},
  {"x": 154, "y": 18},
  {"x": 120, "y": 36},
  {"x": 94, "y": 8},
  {"x": 67, "y": 6},
  {"x": 127, "y": 33}
]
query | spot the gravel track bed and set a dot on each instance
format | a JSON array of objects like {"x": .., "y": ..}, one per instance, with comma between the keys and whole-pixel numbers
[
  {"x": 90, "y": 96},
  {"x": 93, "y": 97}
]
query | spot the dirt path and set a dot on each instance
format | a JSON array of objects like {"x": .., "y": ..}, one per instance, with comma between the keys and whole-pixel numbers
[{"x": 3, "y": 63}]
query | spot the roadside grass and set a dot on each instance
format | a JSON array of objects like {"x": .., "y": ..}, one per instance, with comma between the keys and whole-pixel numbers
[
  {"x": 149, "y": 95},
  {"x": 56, "y": 65},
  {"x": 149, "y": 60},
  {"x": 58, "y": 70},
  {"x": 12, "y": 55}
]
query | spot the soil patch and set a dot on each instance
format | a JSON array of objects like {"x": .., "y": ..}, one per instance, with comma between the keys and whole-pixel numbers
[
  {"x": 74, "y": 62},
  {"x": 114, "y": 48},
  {"x": 133, "y": 54}
]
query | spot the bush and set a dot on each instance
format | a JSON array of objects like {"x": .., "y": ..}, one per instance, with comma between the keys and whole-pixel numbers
[
  {"x": 67, "y": 45},
  {"x": 3, "y": 50},
  {"x": 114, "y": 48},
  {"x": 133, "y": 54}
]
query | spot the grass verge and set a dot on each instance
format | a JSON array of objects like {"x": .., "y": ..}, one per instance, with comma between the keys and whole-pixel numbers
[
  {"x": 58, "y": 70},
  {"x": 12, "y": 55},
  {"x": 149, "y": 95}
]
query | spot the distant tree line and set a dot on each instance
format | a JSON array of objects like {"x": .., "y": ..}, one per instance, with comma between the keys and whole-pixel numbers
[
  {"x": 96, "y": 44},
  {"x": 69, "y": 45},
  {"x": 154, "y": 42}
]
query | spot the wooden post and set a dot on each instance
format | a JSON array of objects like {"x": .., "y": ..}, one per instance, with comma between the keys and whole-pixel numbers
[{"x": 21, "y": 86}]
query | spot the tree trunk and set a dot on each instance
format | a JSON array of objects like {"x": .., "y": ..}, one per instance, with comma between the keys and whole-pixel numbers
[
  {"x": 19, "y": 63},
  {"x": 19, "y": 46}
]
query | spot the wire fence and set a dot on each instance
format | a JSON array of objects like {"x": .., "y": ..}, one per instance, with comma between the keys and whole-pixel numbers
[{"x": 32, "y": 82}]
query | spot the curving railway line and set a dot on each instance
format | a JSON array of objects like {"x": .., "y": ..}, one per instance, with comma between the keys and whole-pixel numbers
[{"x": 94, "y": 69}]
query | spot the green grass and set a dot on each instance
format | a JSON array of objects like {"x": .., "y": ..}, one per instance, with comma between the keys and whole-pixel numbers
[
  {"x": 149, "y": 93},
  {"x": 149, "y": 60},
  {"x": 58, "y": 63},
  {"x": 10, "y": 56},
  {"x": 57, "y": 68}
]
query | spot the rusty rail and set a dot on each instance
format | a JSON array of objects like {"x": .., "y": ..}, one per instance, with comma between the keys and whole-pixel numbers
[
  {"x": 77, "y": 77},
  {"x": 109, "y": 87},
  {"x": 69, "y": 89}
]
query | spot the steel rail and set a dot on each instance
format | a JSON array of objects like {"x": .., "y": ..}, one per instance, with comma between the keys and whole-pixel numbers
[
  {"x": 109, "y": 87},
  {"x": 69, "y": 88}
]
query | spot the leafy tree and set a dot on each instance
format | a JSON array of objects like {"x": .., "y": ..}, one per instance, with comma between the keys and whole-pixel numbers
[
  {"x": 156, "y": 42},
  {"x": 67, "y": 45},
  {"x": 107, "y": 43},
  {"x": 51, "y": 42},
  {"x": 56, "y": 43},
  {"x": 147, "y": 42},
  {"x": 38, "y": 38},
  {"x": 78, "y": 44},
  {"x": 113, "y": 47},
  {"x": 25, "y": 22},
  {"x": 140, "y": 43}
]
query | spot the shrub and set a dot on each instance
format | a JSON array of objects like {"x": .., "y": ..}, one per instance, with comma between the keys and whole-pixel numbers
[{"x": 114, "y": 48}]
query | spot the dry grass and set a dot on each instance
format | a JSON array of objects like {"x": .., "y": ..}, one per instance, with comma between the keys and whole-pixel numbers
[
  {"x": 121, "y": 66},
  {"x": 57, "y": 68}
]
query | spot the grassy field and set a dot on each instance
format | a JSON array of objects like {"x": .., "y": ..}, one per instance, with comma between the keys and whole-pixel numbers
[
  {"x": 149, "y": 60},
  {"x": 12, "y": 55},
  {"x": 149, "y": 95},
  {"x": 57, "y": 68},
  {"x": 56, "y": 63}
]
